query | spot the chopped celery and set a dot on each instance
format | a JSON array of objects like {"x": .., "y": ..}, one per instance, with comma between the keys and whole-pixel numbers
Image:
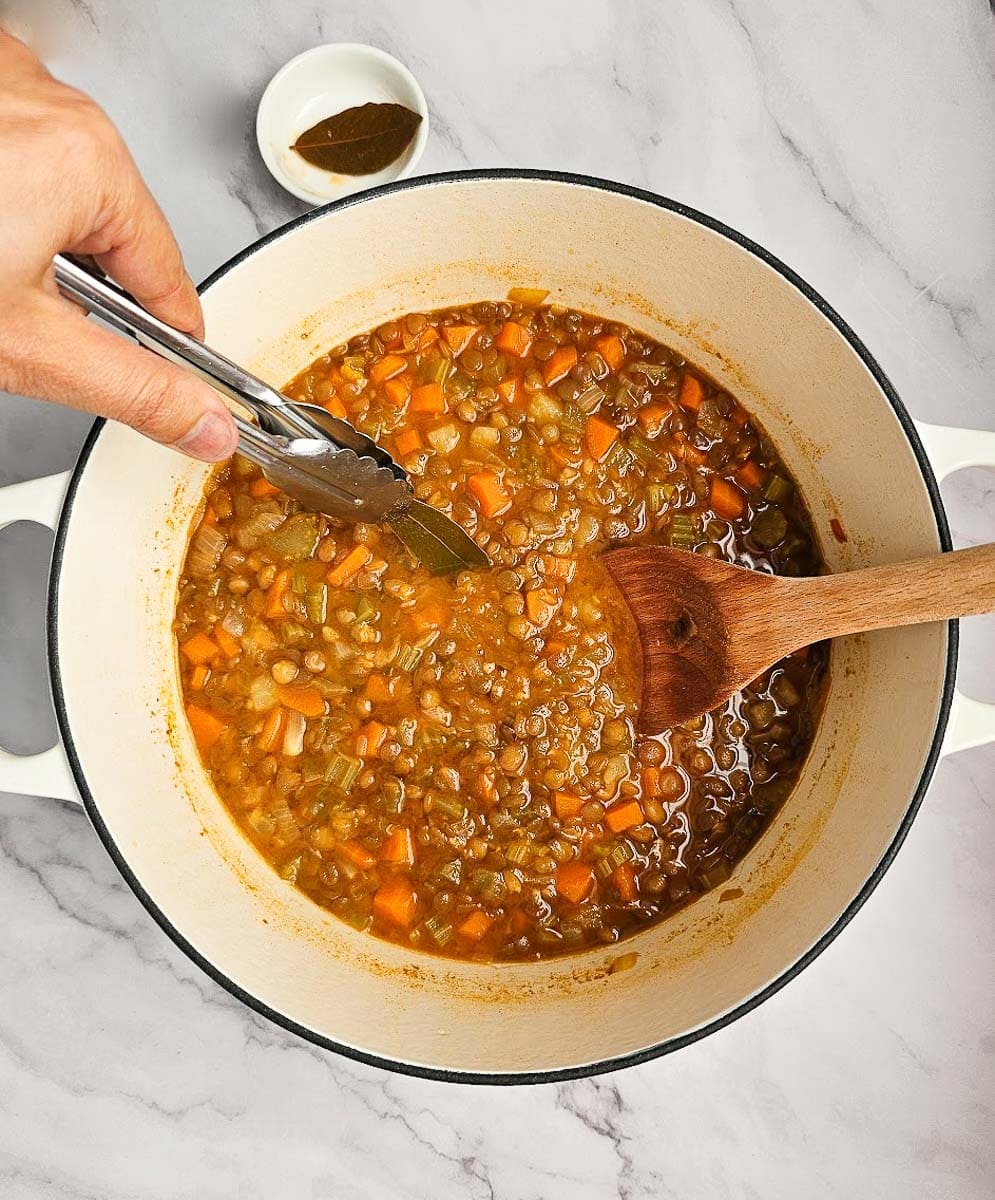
[
  {"x": 437, "y": 367},
  {"x": 342, "y": 770},
  {"x": 316, "y": 601},
  {"x": 298, "y": 581},
  {"x": 572, "y": 420},
  {"x": 440, "y": 932},
  {"x": 294, "y": 632},
  {"x": 653, "y": 372},
  {"x": 589, "y": 400},
  {"x": 517, "y": 853},
  {"x": 619, "y": 854},
  {"x": 451, "y": 872},
  {"x": 408, "y": 657},
  {"x": 449, "y": 806},
  {"x": 295, "y": 539},
  {"x": 641, "y": 449},
  {"x": 778, "y": 489},
  {"x": 365, "y": 607},
  {"x": 660, "y": 495},
  {"x": 770, "y": 527},
  {"x": 683, "y": 531}
]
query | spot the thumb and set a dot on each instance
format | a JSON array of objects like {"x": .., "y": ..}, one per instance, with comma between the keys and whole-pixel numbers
[{"x": 75, "y": 362}]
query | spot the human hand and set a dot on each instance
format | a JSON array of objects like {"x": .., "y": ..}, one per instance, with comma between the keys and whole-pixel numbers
[{"x": 68, "y": 183}]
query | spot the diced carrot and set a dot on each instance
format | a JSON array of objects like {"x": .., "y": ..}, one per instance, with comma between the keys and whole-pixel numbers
[
  {"x": 200, "y": 649},
  {"x": 558, "y": 364},
  {"x": 274, "y": 596},
  {"x": 398, "y": 390},
  {"x": 750, "y": 475},
  {"x": 514, "y": 339},
  {"x": 350, "y": 566},
  {"x": 726, "y": 499},
  {"x": 396, "y": 902},
  {"x": 428, "y": 337},
  {"x": 573, "y": 881},
  {"x": 335, "y": 406},
  {"x": 428, "y": 399},
  {"x": 541, "y": 605},
  {"x": 308, "y": 701},
  {"x": 205, "y": 725},
  {"x": 356, "y": 853},
  {"x": 652, "y": 417},
  {"x": 692, "y": 391},
  {"x": 198, "y": 676},
  {"x": 262, "y": 489},
  {"x": 475, "y": 925},
  {"x": 554, "y": 647},
  {"x": 567, "y": 805},
  {"x": 489, "y": 493},
  {"x": 228, "y": 642},
  {"x": 651, "y": 781},
  {"x": 369, "y": 739},
  {"x": 624, "y": 878},
  {"x": 599, "y": 437},
  {"x": 626, "y": 815},
  {"x": 611, "y": 349},
  {"x": 271, "y": 734},
  {"x": 407, "y": 441},
  {"x": 458, "y": 337},
  {"x": 399, "y": 848},
  {"x": 509, "y": 389},
  {"x": 381, "y": 688},
  {"x": 559, "y": 568},
  {"x": 386, "y": 368}
]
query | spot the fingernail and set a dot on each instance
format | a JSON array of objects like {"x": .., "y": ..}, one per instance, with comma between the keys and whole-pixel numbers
[{"x": 211, "y": 439}]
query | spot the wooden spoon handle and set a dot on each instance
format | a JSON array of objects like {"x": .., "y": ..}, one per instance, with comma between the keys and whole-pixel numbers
[{"x": 957, "y": 584}]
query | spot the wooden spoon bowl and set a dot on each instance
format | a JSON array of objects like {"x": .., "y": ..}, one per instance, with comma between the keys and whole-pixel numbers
[{"x": 707, "y": 628}]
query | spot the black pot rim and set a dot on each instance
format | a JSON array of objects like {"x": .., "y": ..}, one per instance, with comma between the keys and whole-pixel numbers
[{"x": 751, "y": 1002}]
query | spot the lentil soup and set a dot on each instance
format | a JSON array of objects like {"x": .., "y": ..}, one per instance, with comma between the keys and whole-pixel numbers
[{"x": 453, "y": 764}]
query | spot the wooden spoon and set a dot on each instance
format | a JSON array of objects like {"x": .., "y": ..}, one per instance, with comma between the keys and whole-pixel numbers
[{"x": 706, "y": 628}]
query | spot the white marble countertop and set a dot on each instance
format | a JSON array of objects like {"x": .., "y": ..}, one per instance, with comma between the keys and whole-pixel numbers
[{"x": 854, "y": 141}]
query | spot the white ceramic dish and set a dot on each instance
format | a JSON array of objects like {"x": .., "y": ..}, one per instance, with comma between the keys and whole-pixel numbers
[
  {"x": 317, "y": 84},
  {"x": 746, "y": 319}
]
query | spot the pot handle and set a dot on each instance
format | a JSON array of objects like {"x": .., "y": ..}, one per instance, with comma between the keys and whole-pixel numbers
[
  {"x": 47, "y": 773},
  {"x": 972, "y": 722}
]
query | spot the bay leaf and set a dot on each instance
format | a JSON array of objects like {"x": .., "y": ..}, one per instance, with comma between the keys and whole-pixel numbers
[{"x": 360, "y": 140}]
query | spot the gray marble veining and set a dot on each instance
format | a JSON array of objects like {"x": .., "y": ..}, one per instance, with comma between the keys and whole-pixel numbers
[{"x": 854, "y": 141}]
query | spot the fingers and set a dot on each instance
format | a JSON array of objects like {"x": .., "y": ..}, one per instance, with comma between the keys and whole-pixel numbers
[
  {"x": 75, "y": 362},
  {"x": 136, "y": 247}
]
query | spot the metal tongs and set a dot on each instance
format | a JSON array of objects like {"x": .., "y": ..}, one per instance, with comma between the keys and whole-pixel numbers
[{"x": 320, "y": 460}]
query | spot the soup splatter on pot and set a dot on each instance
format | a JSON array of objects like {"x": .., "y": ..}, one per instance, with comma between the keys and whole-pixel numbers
[{"x": 453, "y": 764}]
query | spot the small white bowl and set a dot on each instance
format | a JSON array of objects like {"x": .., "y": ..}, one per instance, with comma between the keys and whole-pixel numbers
[{"x": 317, "y": 84}]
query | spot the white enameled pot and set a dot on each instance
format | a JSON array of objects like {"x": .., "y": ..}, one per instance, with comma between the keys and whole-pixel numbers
[{"x": 122, "y": 518}]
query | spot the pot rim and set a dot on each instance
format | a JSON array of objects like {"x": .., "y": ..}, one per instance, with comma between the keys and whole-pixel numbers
[{"x": 745, "y": 1006}]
